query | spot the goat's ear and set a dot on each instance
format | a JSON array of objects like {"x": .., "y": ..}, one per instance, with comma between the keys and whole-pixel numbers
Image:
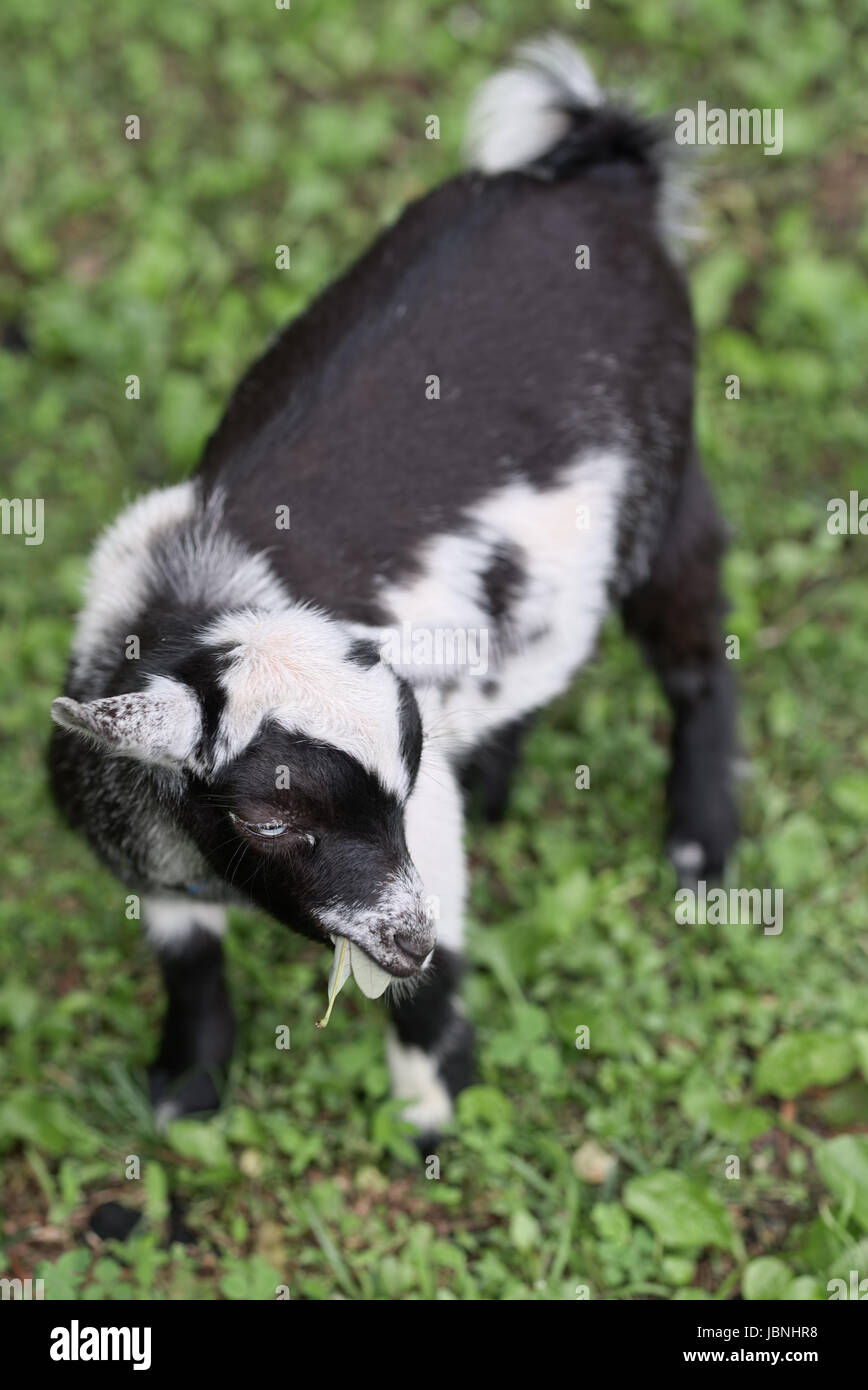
[{"x": 159, "y": 725}]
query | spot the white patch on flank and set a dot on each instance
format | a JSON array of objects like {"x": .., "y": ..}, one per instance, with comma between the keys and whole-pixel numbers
[
  {"x": 292, "y": 666},
  {"x": 169, "y": 921},
  {"x": 553, "y": 622},
  {"x": 205, "y": 564},
  {"x": 415, "y": 1079},
  {"x": 519, "y": 114},
  {"x": 447, "y": 595}
]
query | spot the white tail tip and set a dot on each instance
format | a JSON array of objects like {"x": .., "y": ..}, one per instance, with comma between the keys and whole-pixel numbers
[{"x": 521, "y": 113}]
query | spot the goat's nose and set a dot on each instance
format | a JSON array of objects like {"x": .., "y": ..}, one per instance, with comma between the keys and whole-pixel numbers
[{"x": 411, "y": 947}]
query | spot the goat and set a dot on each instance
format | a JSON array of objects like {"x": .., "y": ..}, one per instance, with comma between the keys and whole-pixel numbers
[{"x": 482, "y": 431}]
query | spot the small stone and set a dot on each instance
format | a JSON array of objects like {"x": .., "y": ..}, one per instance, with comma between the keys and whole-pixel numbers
[
  {"x": 592, "y": 1163},
  {"x": 250, "y": 1163}
]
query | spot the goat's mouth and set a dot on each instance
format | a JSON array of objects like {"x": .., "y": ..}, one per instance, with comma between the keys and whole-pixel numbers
[{"x": 376, "y": 966}]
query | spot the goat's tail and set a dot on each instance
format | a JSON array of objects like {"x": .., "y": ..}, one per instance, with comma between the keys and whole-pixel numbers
[{"x": 546, "y": 116}]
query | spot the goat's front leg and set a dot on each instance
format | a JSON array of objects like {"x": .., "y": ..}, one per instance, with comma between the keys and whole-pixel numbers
[
  {"x": 199, "y": 1025},
  {"x": 430, "y": 1042}
]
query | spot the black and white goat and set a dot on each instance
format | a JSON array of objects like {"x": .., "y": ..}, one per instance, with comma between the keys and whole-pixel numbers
[{"x": 484, "y": 438}]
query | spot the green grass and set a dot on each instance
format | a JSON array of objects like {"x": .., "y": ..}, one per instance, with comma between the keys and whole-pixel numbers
[{"x": 604, "y": 1167}]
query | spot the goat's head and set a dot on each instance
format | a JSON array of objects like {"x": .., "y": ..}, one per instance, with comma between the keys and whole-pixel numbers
[{"x": 291, "y": 750}]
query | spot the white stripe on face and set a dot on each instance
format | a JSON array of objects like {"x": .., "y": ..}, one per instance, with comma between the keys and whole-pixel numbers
[{"x": 294, "y": 667}]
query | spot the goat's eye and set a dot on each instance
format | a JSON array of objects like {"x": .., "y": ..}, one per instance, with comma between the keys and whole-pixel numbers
[
  {"x": 271, "y": 829},
  {"x": 267, "y": 828}
]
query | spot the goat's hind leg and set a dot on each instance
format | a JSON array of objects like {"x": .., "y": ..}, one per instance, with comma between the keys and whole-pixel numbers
[
  {"x": 199, "y": 1025},
  {"x": 676, "y": 617}
]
